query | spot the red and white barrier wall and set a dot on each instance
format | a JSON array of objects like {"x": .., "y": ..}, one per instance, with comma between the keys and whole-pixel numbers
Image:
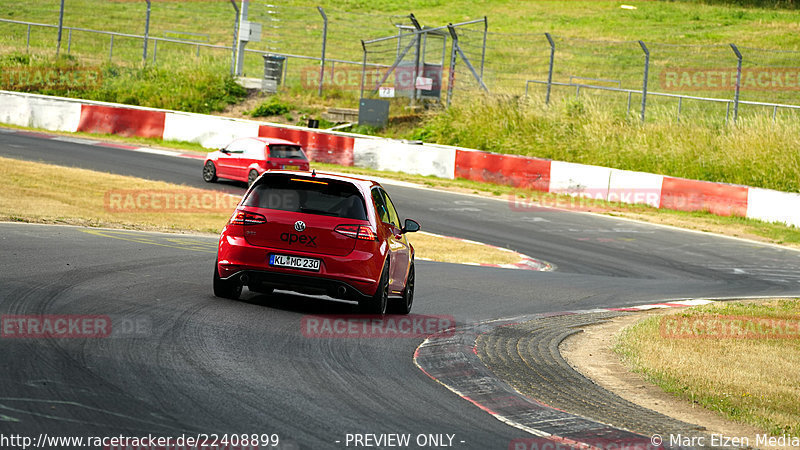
[{"x": 63, "y": 114}]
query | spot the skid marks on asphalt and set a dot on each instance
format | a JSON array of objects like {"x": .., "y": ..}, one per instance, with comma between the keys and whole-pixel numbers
[{"x": 192, "y": 243}]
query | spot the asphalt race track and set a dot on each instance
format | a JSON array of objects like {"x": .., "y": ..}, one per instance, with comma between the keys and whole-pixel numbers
[{"x": 199, "y": 364}]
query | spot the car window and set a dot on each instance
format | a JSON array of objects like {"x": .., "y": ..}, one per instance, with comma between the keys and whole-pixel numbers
[
  {"x": 236, "y": 147},
  {"x": 286, "y": 151},
  {"x": 393, "y": 217},
  {"x": 297, "y": 194},
  {"x": 380, "y": 206},
  {"x": 254, "y": 149}
]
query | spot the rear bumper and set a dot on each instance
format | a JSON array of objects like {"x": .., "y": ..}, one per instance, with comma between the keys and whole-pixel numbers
[
  {"x": 307, "y": 284},
  {"x": 358, "y": 272}
]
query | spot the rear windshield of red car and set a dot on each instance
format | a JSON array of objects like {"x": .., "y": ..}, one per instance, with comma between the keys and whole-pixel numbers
[
  {"x": 307, "y": 195},
  {"x": 286, "y": 152}
]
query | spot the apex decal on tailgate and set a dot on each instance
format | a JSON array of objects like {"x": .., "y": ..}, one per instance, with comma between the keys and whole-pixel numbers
[{"x": 291, "y": 238}]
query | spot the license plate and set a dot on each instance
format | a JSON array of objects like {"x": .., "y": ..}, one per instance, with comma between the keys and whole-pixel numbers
[
  {"x": 294, "y": 262},
  {"x": 291, "y": 167}
]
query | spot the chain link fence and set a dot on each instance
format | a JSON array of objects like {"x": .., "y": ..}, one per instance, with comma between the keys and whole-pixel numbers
[{"x": 325, "y": 54}]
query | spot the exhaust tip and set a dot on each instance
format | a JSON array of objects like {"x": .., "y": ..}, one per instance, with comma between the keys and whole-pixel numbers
[
  {"x": 244, "y": 278},
  {"x": 341, "y": 291}
]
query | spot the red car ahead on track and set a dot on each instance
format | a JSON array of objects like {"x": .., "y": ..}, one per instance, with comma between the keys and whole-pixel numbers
[
  {"x": 245, "y": 159},
  {"x": 318, "y": 234}
]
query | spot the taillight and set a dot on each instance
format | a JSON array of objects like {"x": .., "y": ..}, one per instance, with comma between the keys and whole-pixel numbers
[
  {"x": 247, "y": 218},
  {"x": 362, "y": 232}
]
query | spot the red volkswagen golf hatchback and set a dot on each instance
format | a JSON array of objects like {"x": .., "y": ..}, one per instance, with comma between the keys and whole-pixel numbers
[
  {"x": 245, "y": 159},
  {"x": 318, "y": 234}
]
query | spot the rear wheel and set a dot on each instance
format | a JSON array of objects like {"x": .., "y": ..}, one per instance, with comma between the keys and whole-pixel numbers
[
  {"x": 209, "y": 172},
  {"x": 378, "y": 303},
  {"x": 403, "y": 305},
  {"x": 251, "y": 178},
  {"x": 231, "y": 289}
]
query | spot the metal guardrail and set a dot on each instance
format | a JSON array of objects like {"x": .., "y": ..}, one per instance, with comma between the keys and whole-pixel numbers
[{"x": 680, "y": 97}]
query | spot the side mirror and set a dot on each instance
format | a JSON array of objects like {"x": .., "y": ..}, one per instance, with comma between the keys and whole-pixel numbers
[
  {"x": 224, "y": 150},
  {"x": 411, "y": 226}
]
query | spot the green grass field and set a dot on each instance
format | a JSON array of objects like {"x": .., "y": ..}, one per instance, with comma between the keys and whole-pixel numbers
[
  {"x": 721, "y": 366},
  {"x": 595, "y": 39}
]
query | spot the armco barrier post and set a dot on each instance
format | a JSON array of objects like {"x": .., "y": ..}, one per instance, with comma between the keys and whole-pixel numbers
[
  {"x": 646, "y": 72},
  {"x": 550, "y": 70},
  {"x": 738, "y": 82}
]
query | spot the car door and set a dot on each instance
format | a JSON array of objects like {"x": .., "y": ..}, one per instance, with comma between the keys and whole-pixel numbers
[
  {"x": 403, "y": 252},
  {"x": 228, "y": 161},
  {"x": 398, "y": 244}
]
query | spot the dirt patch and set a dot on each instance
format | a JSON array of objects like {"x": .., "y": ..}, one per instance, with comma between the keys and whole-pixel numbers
[{"x": 590, "y": 354}]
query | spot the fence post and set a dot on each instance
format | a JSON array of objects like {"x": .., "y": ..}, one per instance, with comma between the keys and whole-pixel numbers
[
  {"x": 69, "y": 40},
  {"x": 550, "y": 70},
  {"x": 451, "y": 78},
  {"x": 738, "y": 82},
  {"x": 646, "y": 72},
  {"x": 324, "y": 43},
  {"x": 241, "y": 44},
  {"x": 28, "y": 42},
  {"x": 483, "y": 51},
  {"x": 235, "y": 35},
  {"x": 417, "y": 55},
  {"x": 146, "y": 32},
  {"x": 363, "y": 69},
  {"x": 111, "y": 49},
  {"x": 60, "y": 27},
  {"x": 629, "y": 103},
  {"x": 155, "y": 50}
]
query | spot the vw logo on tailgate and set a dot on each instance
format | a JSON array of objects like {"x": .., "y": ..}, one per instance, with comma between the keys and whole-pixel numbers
[{"x": 299, "y": 225}]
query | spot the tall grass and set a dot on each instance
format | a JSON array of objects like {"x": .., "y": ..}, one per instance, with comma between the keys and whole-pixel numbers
[
  {"x": 755, "y": 152},
  {"x": 200, "y": 87}
]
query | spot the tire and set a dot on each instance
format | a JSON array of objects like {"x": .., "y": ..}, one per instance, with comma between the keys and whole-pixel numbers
[
  {"x": 379, "y": 302},
  {"x": 231, "y": 289},
  {"x": 209, "y": 172},
  {"x": 251, "y": 177},
  {"x": 403, "y": 305}
]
